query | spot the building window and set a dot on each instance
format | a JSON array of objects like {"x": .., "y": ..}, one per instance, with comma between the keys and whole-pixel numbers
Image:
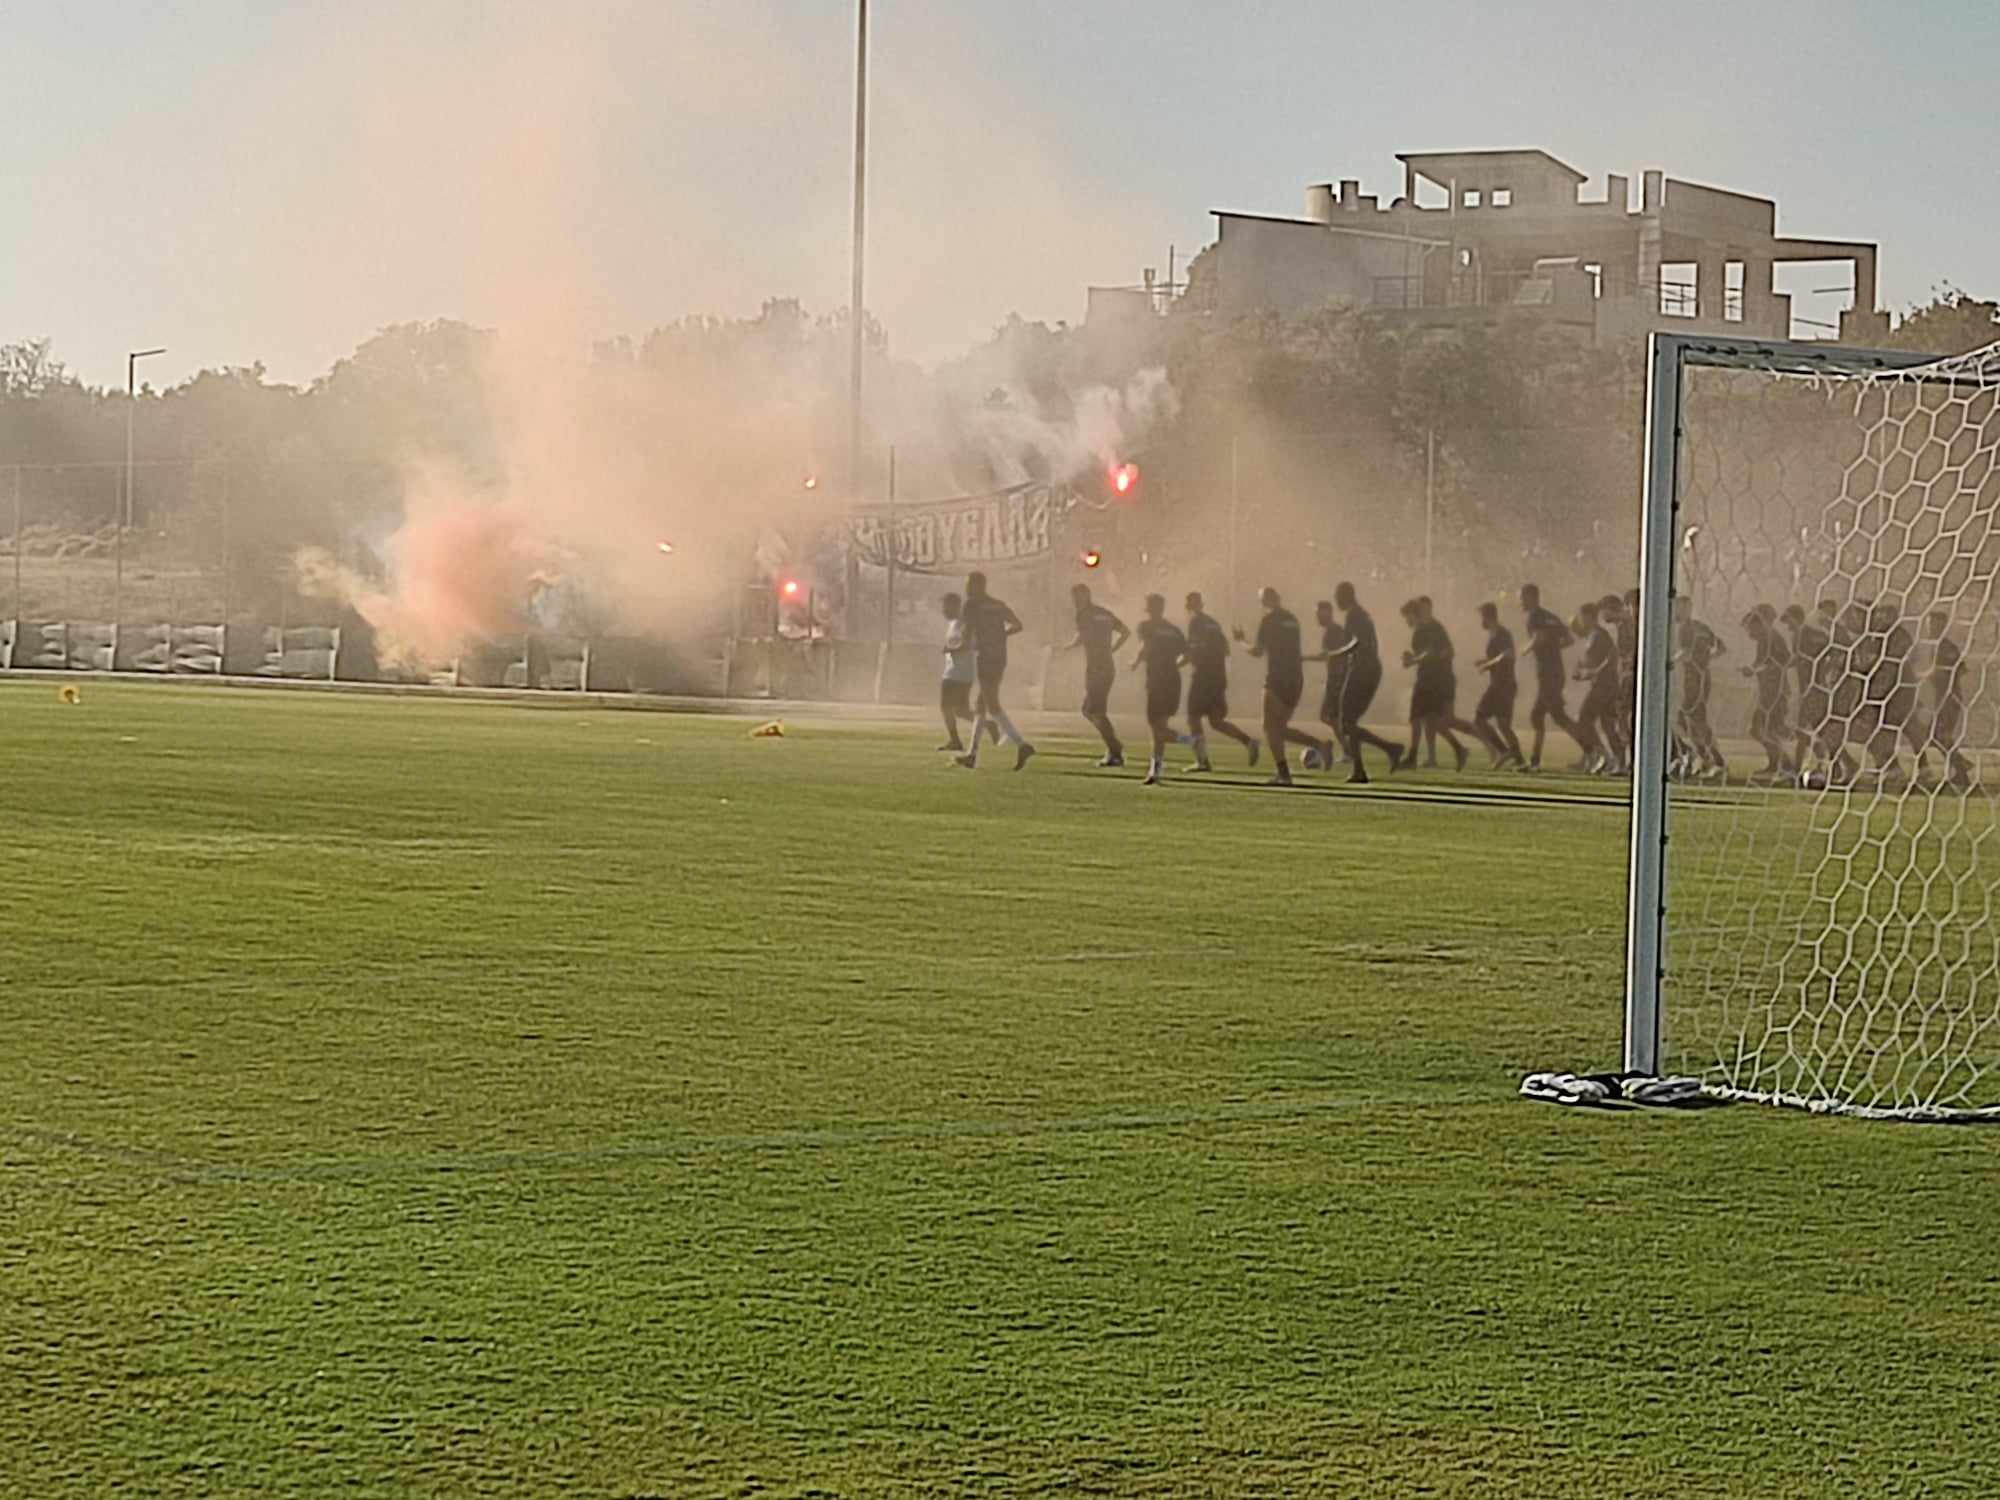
[
  {"x": 1471, "y": 199},
  {"x": 1732, "y": 291},
  {"x": 1677, "y": 289},
  {"x": 1503, "y": 197}
]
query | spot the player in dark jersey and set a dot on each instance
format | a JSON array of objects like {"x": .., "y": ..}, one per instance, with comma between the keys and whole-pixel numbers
[
  {"x": 1284, "y": 680},
  {"x": 1495, "y": 713},
  {"x": 1946, "y": 680},
  {"x": 1621, "y": 618},
  {"x": 1100, "y": 634},
  {"x": 1332, "y": 636},
  {"x": 1434, "y": 696},
  {"x": 1547, "y": 639},
  {"x": 1364, "y": 677},
  {"x": 1810, "y": 643},
  {"x": 990, "y": 623},
  {"x": 1893, "y": 687},
  {"x": 1769, "y": 673},
  {"x": 1208, "y": 685},
  {"x": 1597, "y": 666},
  {"x": 1695, "y": 649},
  {"x": 1162, "y": 648},
  {"x": 1849, "y": 663}
]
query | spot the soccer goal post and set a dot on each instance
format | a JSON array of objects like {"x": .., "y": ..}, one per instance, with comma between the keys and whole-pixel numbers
[{"x": 1814, "y": 861}]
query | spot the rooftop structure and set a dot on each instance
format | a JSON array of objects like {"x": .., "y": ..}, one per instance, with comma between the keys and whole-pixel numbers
[{"x": 1477, "y": 234}]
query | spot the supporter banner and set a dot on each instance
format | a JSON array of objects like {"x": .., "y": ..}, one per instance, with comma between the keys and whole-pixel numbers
[{"x": 948, "y": 536}]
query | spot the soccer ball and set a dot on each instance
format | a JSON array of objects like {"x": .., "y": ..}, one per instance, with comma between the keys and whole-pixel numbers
[{"x": 1311, "y": 760}]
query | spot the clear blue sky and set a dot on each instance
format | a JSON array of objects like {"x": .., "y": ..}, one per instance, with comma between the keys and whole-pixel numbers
[{"x": 256, "y": 179}]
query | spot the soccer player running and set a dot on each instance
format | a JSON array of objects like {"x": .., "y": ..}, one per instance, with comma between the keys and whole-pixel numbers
[
  {"x": 989, "y": 623},
  {"x": 1548, "y": 638},
  {"x": 1102, "y": 635},
  {"x": 1434, "y": 698},
  {"x": 1892, "y": 688},
  {"x": 1495, "y": 713},
  {"x": 1695, "y": 649},
  {"x": 1947, "y": 684},
  {"x": 1770, "y": 666},
  {"x": 1332, "y": 636},
  {"x": 1208, "y": 685},
  {"x": 1363, "y": 652},
  {"x": 1284, "y": 680},
  {"x": 1812, "y": 639},
  {"x": 1621, "y": 618},
  {"x": 1597, "y": 719},
  {"x": 1162, "y": 648},
  {"x": 955, "y": 692}
]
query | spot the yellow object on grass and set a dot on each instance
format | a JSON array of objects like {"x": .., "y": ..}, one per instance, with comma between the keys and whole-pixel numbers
[
  {"x": 775, "y": 730},
  {"x": 68, "y": 693}
]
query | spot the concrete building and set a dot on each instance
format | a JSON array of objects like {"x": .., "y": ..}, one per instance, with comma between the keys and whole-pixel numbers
[{"x": 1477, "y": 234}]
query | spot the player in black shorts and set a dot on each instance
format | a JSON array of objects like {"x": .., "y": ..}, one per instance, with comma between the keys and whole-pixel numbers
[
  {"x": 1695, "y": 650},
  {"x": 1284, "y": 680},
  {"x": 990, "y": 623},
  {"x": 1893, "y": 687},
  {"x": 1495, "y": 713},
  {"x": 1208, "y": 685},
  {"x": 1548, "y": 638},
  {"x": 1947, "y": 684},
  {"x": 1769, "y": 670},
  {"x": 1102, "y": 635},
  {"x": 1810, "y": 644},
  {"x": 1162, "y": 648},
  {"x": 1333, "y": 637},
  {"x": 1363, "y": 654},
  {"x": 1597, "y": 719},
  {"x": 1434, "y": 697},
  {"x": 1621, "y": 618}
]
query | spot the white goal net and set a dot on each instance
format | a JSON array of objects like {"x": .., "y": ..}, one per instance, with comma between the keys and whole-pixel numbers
[{"x": 1825, "y": 779}]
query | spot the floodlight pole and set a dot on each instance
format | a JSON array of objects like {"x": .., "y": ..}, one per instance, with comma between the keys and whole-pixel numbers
[
  {"x": 125, "y": 501},
  {"x": 854, "y": 300}
]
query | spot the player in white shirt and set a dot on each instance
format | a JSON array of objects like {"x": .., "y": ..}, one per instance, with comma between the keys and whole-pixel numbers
[{"x": 960, "y": 668}]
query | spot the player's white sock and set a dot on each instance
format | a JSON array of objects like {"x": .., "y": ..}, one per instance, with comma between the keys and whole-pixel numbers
[
  {"x": 1155, "y": 766},
  {"x": 1199, "y": 742},
  {"x": 1007, "y": 728}
]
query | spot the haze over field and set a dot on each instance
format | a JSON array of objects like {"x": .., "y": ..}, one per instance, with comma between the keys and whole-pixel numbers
[{"x": 249, "y": 182}]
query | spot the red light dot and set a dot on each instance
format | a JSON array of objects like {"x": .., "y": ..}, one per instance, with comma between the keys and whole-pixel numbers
[{"x": 791, "y": 588}]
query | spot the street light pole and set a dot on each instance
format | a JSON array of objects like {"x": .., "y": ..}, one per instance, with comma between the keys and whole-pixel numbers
[
  {"x": 131, "y": 405},
  {"x": 125, "y": 509}
]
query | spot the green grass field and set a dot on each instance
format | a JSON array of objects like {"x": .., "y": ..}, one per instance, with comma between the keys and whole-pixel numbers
[{"x": 424, "y": 1098}]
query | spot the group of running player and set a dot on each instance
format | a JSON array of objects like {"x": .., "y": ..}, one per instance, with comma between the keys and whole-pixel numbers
[{"x": 1854, "y": 669}]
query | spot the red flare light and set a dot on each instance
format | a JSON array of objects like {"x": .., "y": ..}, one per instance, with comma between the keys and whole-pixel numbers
[
  {"x": 1092, "y": 557},
  {"x": 790, "y": 588},
  {"x": 1124, "y": 478}
]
